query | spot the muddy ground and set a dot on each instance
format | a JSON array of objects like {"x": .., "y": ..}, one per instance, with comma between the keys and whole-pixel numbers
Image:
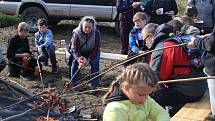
[{"x": 87, "y": 103}]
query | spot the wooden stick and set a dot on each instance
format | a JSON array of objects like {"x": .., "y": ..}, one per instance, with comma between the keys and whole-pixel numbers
[
  {"x": 18, "y": 115},
  {"x": 186, "y": 80},
  {"x": 117, "y": 65}
]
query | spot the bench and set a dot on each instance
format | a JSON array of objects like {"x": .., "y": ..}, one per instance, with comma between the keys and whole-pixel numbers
[
  {"x": 197, "y": 111},
  {"x": 110, "y": 56}
]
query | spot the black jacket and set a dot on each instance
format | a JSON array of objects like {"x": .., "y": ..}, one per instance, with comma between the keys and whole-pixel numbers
[
  {"x": 207, "y": 44},
  {"x": 174, "y": 63},
  {"x": 167, "y": 5},
  {"x": 16, "y": 45}
]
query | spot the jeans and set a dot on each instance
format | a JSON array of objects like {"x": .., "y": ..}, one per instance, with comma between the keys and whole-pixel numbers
[
  {"x": 48, "y": 53},
  {"x": 94, "y": 63}
]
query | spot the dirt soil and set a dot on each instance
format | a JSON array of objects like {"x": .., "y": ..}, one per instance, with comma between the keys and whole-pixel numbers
[{"x": 87, "y": 103}]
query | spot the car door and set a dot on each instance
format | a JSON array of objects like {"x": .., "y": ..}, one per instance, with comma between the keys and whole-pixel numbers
[
  {"x": 101, "y": 9},
  {"x": 59, "y": 8}
]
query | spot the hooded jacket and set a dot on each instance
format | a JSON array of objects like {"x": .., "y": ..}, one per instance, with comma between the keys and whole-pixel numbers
[
  {"x": 207, "y": 44},
  {"x": 120, "y": 108},
  {"x": 173, "y": 63}
]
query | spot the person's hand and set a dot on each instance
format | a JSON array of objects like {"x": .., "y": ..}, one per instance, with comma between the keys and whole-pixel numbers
[
  {"x": 191, "y": 42},
  {"x": 34, "y": 49},
  {"x": 135, "y": 4},
  {"x": 82, "y": 61},
  {"x": 170, "y": 13},
  {"x": 141, "y": 51},
  {"x": 25, "y": 55},
  {"x": 159, "y": 11}
]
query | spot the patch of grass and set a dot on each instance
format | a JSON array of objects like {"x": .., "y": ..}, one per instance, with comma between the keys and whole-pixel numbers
[
  {"x": 8, "y": 20},
  {"x": 181, "y": 6}
]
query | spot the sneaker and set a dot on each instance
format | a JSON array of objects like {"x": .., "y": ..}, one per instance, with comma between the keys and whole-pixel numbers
[{"x": 26, "y": 78}]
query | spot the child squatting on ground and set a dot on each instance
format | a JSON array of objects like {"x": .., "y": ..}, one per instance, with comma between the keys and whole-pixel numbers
[
  {"x": 45, "y": 45},
  {"x": 21, "y": 60},
  {"x": 128, "y": 98}
]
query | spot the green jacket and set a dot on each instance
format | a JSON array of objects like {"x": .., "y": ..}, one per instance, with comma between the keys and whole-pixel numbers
[{"x": 127, "y": 111}]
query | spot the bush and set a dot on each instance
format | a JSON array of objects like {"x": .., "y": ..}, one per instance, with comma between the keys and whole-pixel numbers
[{"x": 7, "y": 20}]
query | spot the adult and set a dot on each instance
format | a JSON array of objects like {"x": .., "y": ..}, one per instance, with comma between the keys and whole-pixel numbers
[
  {"x": 171, "y": 63},
  {"x": 161, "y": 11},
  {"x": 85, "y": 48},
  {"x": 206, "y": 13},
  {"x": 207, "y": 45}
]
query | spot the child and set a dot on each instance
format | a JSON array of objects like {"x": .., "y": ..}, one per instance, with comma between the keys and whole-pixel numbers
[
  {"x": 126, "y": 10},
  {"x": 45, "y": 45},
  {"x": 128, "y": 98},
  {"x": 18, "y": 52},
  {"x": 136, "y": 43},
  {"x": 84, "y": 48},
  {"x": 207, "y": 45},
  {"x": 191, "y": 11},
  {"x": 140, "y": 19}
]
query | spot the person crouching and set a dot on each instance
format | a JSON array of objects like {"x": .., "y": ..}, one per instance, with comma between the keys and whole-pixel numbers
[
  {"x": 21, "y": 61},
  {"x": 84, "y": 48}
]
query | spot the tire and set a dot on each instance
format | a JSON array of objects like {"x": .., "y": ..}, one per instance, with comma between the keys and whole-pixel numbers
[{"x": 31, "y": 14}]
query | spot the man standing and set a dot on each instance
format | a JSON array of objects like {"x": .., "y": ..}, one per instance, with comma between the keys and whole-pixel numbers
[{"x": 125, "y": 8}]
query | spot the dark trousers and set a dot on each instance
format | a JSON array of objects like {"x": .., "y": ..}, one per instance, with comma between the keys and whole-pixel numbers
[
  {"x": 16, "y": 70},
  {"x": 125, "y": 28},
  {"x": 169, "y": 97},
  {"x": 48, "y": 53}
]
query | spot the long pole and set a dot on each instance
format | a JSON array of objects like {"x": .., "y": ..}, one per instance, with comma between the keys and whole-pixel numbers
[{"x": 117, "y": 65}]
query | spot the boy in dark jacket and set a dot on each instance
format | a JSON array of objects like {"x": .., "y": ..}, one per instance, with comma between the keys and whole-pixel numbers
[
  {"x": 126, "y": 10},
  {"x": 21, "y": 63},
  {"x": 207, "y": 44}
]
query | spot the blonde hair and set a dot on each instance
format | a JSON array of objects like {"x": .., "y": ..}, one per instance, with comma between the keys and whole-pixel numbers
[
  {"x": 134, "y": 75},
  {"x": 138, "y": 73},
  {"x": 141, "y": 16},
  {"x": 23, "y": 26}
]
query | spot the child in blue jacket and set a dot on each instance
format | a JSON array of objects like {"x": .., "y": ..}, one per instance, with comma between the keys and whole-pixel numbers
[{"x": 45, "y": 44}]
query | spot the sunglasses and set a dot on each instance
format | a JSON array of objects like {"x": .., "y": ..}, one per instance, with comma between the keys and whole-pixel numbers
[
  {"x": 89, "y": 20},
  {"x": 146, "y": 38}
]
